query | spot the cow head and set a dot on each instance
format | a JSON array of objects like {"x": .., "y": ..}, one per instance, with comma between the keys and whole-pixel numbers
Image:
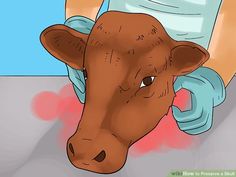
[{"x": 130, "y": 64}]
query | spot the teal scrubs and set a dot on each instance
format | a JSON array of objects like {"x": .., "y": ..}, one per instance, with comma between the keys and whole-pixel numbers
[{"x": 185, "y": 20}]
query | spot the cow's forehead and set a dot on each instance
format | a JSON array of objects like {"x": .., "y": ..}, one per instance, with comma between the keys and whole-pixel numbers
[
  {"x": 120, "y": 44},
  {"x": 125, "y": 32}
]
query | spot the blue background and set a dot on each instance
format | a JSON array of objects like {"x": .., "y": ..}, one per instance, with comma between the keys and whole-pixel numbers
[{"x": 21, "y": 24}]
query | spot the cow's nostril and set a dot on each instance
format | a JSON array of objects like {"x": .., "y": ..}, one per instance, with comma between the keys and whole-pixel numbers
[
  {"x": 101, "y": 156},
  {"x": 71, "y": 149}
]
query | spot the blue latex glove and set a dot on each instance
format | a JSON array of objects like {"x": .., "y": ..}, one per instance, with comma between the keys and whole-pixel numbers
[
  {"x": 207, "y": 91},
  {"x": 77, "y": 78},
  {"x": 83, "y": 25}
]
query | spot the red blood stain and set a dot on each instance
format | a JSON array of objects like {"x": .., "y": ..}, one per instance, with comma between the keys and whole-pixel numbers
[
  {"x": 167, "y": 134},
  {"x": 45, "y": 105},
  {"x": 63, "y": 106},
  {"x": 66, "y": 107},
  {"x": 70, "y": 110}
]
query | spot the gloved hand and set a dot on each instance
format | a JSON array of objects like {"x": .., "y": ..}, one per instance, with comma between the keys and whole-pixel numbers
[
  {"x": 207, "y": 91},
  {"x": 77, "y": 78},
  {"x": 83, "y": 25}
]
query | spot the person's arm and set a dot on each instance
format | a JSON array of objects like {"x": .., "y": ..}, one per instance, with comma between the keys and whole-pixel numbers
[
  {"x": 87, "y": 8},
  {"x": 223, "y": 48},
  {"x": 80, "y": 15}
]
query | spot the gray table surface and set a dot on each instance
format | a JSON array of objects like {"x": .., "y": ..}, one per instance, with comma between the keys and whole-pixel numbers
[{"x": 29, "y": 147}]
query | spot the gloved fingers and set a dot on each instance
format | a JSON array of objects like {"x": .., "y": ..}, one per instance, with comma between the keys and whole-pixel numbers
[
  {"x": 74, "y": 73},
  {"x": 199, "y": 122},
  {"x": 80, "y": 86},
  {"x": 207, "y": 90},
  {"x": 199, "y": 118},
  {"x": 190, "y": 83},
  {"x": 203, "y": 128},
  {"x": 79, "y": 94},
  {"x": 214, "y": 81},
  {"x": 190, "y": 115},
  {"x": 77, "y": 78},
  {"x": 199, "y": 98}
]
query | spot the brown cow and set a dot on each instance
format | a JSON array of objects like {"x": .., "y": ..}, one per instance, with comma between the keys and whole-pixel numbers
[{"x": 130, "y": 63}]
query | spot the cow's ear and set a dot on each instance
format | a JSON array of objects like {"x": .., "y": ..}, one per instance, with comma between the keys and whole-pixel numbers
[
  {"x": 65, "y": 44},
  {"x": 186, "y": 57}
]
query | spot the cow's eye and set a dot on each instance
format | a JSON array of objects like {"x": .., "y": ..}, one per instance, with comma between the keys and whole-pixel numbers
[{"x": 147, "y": 81}]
